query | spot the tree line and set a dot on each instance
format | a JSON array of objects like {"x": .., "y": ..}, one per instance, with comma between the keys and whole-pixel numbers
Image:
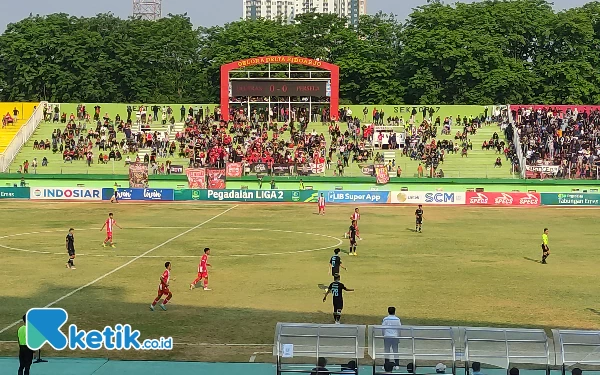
[{"x": 492, "y": 51}]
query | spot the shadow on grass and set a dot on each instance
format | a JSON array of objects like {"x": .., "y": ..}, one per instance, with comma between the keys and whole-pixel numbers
[
  {"x": 218, "y": 333},
  {"x": 532, "y": 260},
  {"x": 594, "y": 311},
  {"x": 411, "y": 230}
]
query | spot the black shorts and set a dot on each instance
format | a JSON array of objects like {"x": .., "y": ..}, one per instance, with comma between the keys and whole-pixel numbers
[
  {"x": 419, "y": 221},
  {"x": 335, "y": 271},
  {"x": 71, "y": 252},
  {"x": 353, "y": 241},
  {"x": 338, "y": 305},
  {"x": 545, "y": 248}
]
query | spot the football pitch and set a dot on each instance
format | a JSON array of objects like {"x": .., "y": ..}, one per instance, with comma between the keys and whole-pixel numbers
[{"x": 470, "y": 267}]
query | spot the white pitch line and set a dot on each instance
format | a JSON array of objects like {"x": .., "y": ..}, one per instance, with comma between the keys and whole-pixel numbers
[
  {"x": 253, "y": 357},
  {"x": 195, "y": 256},
  {"x": 125, "y": 264}
]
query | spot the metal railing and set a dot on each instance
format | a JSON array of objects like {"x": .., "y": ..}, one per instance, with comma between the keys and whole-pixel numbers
[
  {"x": 21, "y": 137},
  {"x": 517, "y": 142}
]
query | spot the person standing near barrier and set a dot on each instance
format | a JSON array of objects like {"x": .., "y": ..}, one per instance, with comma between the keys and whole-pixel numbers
[
  {"x": 70, "y": 241},
  {"x": 321, "y": 203},
  {"x": 419, "y": 219},
  {"x": 115, "y": 197},
  {"x": 391, "y": 336},
  {"x": 545, "y": 248},
  {"x": 25, "y": 354},
  {"x": 336, "y": 289}
]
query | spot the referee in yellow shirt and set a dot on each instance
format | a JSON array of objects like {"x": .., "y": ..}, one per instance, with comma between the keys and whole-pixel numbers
[
  {"x": 545, "y": 248},
  {"x": 25, "y": 354}
]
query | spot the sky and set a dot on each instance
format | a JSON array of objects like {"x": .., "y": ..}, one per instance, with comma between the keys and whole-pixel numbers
[{"x": 202, "y": 12}]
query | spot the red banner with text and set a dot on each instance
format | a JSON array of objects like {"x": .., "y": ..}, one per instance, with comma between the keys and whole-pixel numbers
[
  {"x": 216, "y": 179},
  {"x": 234, "y": 169},
  {"x": 196, "y": 178},
  {"x": 383, "y": 176},
  {"x": 504, "y": 199}
]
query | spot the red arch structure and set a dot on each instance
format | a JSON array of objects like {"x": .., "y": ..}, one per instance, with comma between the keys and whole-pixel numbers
[{"x": 333, "y": 69}]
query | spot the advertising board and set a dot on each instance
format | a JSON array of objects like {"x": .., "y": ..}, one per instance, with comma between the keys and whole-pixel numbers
[
  {"x": 503, "y": 199},
  {"x": 54, "y": 193},
  {"x": 423, "y": 197},
  {"x": 243, "y": 195},
  {"x": 364, "y": 197},
  {"x": 141, "y": 194},
  {"x": 238, "y": 195},
  {"x": 571, "y": 199},
  {"x": 14, "y": 193}
]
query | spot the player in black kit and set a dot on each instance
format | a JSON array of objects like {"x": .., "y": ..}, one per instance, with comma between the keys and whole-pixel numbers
[
  {"x": 419, "y": 218},
  {"x": 335, "y": 263},
  {"x": 336, "y": 288},
  {"x": 71, "y": 249},
  {"x": 352, "y": 235}
]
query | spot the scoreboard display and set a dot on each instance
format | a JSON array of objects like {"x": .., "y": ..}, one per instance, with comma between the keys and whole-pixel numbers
[{"x": 256, "y": 87}]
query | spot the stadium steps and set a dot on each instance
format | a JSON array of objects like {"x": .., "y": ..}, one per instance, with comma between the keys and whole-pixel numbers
[
  {"x": 163, "y": 129},
  {"x": 8, "y": 133},
  {"x": 478, "y": 164}
]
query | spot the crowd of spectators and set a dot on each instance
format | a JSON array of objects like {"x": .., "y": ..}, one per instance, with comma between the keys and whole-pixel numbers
[
  {"x": 207, "y": 141},
  {"x": 568, "y": 141}
]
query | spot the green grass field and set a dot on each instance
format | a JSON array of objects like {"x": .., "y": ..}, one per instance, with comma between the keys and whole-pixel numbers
[{"x": 470, "y": 267}]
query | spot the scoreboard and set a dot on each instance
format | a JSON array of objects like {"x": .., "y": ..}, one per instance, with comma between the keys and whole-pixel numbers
[{"x": 257, "y": 87}]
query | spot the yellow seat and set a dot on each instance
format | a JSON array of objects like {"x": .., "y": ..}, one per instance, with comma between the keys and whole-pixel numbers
[{"x": 24, "y": 112}]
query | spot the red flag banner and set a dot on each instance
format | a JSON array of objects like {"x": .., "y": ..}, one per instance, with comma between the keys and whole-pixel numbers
[
  {"x": 234, "y": 169},
  {"x": 383, "y": 177},
  {"x": 317, "y": 168},
  {"x": 196, "y": 178},
  {"x": 216, "y": 179}
]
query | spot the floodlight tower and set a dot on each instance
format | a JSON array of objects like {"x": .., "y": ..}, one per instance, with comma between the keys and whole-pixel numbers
[{"x": 150, "y": 10}]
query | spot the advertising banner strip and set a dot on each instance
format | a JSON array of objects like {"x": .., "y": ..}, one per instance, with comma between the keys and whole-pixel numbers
[
  {"x": 238, "y": 195},
  {"x": 244, "y": 195},
  {"x": 14, "y": 193},
  {"x": 423, "y": 197},
  {"x": 361, "y": 197},
  {"x": 571, "y": 199},
  {"x": 141, "y": 194},
  {"x": 504, "y": 199},
  {"x": 53, "y": 193}
]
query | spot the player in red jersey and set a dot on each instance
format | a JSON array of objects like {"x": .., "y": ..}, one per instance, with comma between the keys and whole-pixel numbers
[
  {"x": 321, "y": 204},
  {"x": 163, "y": 288},
  {"x": 202, "y": 270},
  {"x": 354, "y": 219},
  {"x": 109, "y": 223}
]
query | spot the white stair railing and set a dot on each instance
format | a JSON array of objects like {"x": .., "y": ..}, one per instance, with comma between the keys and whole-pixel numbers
[{"x": 22, "y": 136}]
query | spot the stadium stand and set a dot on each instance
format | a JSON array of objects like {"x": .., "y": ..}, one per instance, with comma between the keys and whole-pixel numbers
[
  {"x": 567, "y": 140},
  {"x": 107, "y": 143}
]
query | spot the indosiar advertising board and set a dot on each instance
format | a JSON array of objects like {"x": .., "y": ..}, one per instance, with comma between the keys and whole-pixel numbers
[{"x": 54, "y": 193}]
